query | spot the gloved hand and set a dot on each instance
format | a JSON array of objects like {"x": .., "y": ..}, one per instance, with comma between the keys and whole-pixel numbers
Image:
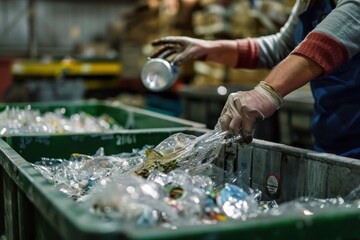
[
  {"x": 186, "y": 49},
  {"x": 243, "y": 110}
]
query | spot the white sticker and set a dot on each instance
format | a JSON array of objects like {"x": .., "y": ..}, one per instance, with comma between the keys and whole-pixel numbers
[{"x": 272, "y": 184}]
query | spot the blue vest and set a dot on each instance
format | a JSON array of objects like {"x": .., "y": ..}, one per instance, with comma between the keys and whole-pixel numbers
[{"x": 336, "y": 118}]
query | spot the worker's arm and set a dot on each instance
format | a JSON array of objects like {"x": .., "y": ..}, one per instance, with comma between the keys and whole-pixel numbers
[
  {"x": 328, "y": 46},
  {"x": 244, "y": 109},
  {"x": 292, "y": 73},
  {"x": 181, "y": 49},
  {"x": 264, "y": 52}
]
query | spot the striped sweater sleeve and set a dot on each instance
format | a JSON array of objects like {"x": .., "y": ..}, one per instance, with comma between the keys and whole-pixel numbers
[
  {"x": 336, "y": 39},
  {"x": 267, "y": 51},
  {"x": 332, "y": 42}
]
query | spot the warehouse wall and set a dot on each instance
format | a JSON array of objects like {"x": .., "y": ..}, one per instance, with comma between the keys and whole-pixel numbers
[
  {"x": 13, "y": 24},
  {"x": 58, "y": 24}
]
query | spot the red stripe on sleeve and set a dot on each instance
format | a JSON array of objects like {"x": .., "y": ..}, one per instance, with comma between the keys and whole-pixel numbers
[
  {"x": 323, "y": 50},
  {"x": 248, "y": 53}
]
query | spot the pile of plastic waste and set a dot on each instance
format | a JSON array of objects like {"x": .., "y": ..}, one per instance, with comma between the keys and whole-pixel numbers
[
  {"x": 15, "y": 120},
  {"x": 172, "y": 185}
]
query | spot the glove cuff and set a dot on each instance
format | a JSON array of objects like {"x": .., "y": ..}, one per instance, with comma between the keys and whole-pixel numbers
[{"x": 271, "y": 93}]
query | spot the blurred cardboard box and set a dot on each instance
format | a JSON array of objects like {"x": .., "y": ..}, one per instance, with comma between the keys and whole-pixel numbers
[
  {"x": 213, "y": 74},
  {"x": 210, "y": 69},
  {"x": 210, "y": 21},
  {"x": 245, "y": 77},
  {"x": 208, "y": 74}
]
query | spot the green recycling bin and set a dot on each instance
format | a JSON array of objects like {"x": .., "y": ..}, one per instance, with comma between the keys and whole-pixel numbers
[
  {"x": 32, "y": 208},
  {"x": 116, "y": 113}
]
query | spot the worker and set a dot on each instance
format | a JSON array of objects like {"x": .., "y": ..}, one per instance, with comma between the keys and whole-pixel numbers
[{"x": 320, "y": 44}]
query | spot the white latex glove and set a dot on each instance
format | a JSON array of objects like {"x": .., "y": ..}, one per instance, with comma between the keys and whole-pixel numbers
[{"x": 243, "y": 110}]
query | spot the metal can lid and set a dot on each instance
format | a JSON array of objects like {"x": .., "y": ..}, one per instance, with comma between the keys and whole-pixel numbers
[{"x": 157, "y": 75}]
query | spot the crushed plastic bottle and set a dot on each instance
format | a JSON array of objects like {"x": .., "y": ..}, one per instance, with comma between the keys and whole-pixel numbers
[{"x": 235, "y": 202}]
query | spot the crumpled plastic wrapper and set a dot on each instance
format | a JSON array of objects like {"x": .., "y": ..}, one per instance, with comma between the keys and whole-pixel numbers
[{"x": 185, "y": 151}]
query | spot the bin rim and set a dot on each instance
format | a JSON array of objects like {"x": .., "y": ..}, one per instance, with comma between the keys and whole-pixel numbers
[
  {"x": 122, "y": 131},
  {"x": 18, "y": 168},
  {"x": 154, "y": 114},
  {"x": 304, "y": 153}
]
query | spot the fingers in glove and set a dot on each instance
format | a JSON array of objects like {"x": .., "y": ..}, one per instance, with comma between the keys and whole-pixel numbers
[
  {"x": 180, "y": 59},
  {"x": 190, "y": 53},
  {"x": 247, "y": 131},
  {"x": 225, "y": 120},
  {"x": 234, "y": 129},
  {"x": 247, "y": 138},
  {"x": 168, "y": 53},
  {"x": 226, "y": 114},
  {"x": 251, "y": 118},
  {"x": 239, "y": 125},
  {"x": 168, "y": 40},
  {"x": 164, "y": 52},
  {"x": 235, "y": 125}
]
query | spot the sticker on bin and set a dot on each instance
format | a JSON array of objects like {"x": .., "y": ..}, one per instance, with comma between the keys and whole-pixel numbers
[{"x": 272, "y": 184}]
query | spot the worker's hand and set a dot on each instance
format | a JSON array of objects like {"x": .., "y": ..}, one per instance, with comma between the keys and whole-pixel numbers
[
  {"x": 183, "y": 48},
  {"x": 243, "y": 110}
]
